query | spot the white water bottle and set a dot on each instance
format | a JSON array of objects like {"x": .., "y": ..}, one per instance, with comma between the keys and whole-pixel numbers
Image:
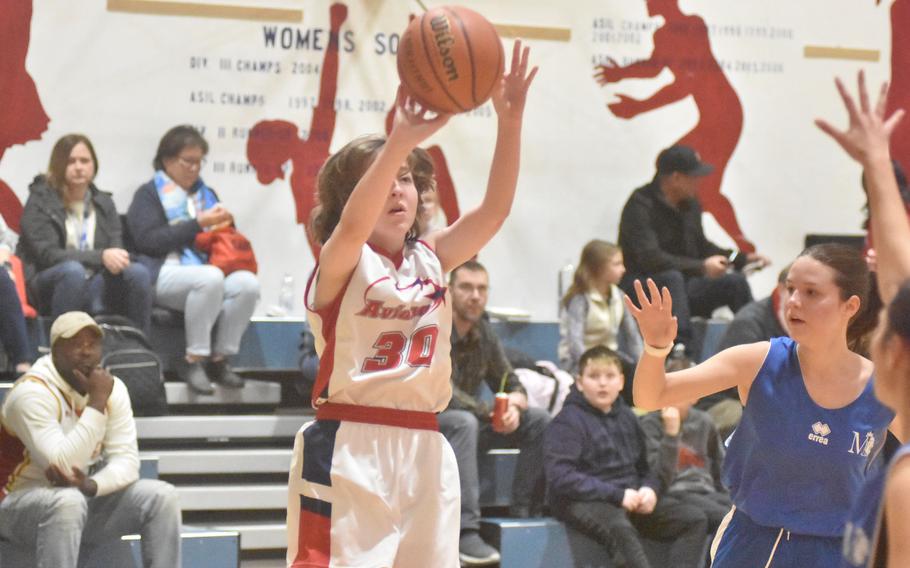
[
  {"x": 564, "y": 280},
  {"x": 286, "y": 294}
]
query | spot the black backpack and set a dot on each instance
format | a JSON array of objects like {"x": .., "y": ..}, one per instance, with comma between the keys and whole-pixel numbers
[{"x": 127, "y": 354}]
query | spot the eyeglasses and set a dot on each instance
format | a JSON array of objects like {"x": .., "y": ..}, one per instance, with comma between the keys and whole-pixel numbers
[
  {"x": 466, "y": 288},
  {"x": 191, "y": 164}
]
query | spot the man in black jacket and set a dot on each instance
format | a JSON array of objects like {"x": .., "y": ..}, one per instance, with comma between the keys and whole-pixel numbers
[{"x": 662, "y": 238}]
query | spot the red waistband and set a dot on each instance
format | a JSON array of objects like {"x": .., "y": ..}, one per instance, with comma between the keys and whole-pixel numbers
[{"x": 378, "y": 415}]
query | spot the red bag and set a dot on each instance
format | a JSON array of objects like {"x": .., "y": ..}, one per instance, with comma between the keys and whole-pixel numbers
[
  {"x": 19, "y": 280},
  {"x": 228, "y": 250}
]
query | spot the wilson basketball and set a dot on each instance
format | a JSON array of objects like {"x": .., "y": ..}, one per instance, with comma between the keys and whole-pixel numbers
[{"x": 450, "y": 59}]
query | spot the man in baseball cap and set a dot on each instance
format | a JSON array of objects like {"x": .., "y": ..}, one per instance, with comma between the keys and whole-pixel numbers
[
  {"x": 682, "y": 159},
  {"x": 69, "y": 324},
  {"x": 67, "y": 436},
  {"x": 661, "y": 236}
]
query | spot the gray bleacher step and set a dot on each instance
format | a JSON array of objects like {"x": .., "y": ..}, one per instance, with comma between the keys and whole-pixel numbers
[
  {"x": 199, "y": 548},
  {"x": 254, "y": 535},
  {"x": 247, "y": 497},
  {"x": 253, "y": 392},
  {"x": 194, "y": 462},
  {"x": 205, "y": 427}
]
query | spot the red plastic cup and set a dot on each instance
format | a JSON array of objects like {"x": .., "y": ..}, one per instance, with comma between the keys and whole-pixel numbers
[{"x": 500, "y": 406}]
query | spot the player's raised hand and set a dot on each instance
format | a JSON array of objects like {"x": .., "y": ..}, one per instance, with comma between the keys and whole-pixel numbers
[
  {"x": 510, "y": 96},
  {"x": 413, "y": 122},
  {"x": 655, "y": 317},
  {"x": 866, "y": 136}
]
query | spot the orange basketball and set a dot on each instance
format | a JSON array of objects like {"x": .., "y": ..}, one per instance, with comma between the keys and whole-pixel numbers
[{"x": 450, "y": 59}]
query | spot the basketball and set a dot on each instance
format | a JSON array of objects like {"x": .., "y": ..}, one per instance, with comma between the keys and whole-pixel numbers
[{"x": 450, "y": 59}]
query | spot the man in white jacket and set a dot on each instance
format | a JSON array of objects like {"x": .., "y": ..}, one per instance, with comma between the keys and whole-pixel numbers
[{"x": 69, "y": 465}]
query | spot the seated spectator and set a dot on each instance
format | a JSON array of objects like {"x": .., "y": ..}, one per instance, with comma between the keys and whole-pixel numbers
[
  {"x": 592, "y": 311},
  {"x": 164, "y": 218},
  {"x": 598, "y": 476},
  {"x": 661, "y": 235},
  {"x": 71, "y": 242},
  {"x": 70, "y": 467},
  {"x": 687, "y": 451},
  {"x": 13, "y": 336},
  {"x": 759, "y": 320},
  {"x": 479, "y": 366}
]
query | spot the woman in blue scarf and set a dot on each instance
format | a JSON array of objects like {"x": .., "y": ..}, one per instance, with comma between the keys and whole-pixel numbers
[{"x": 164, "y": 218}]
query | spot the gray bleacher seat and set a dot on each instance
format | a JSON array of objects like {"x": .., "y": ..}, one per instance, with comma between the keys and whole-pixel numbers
[{"x": 547, "y": 543}]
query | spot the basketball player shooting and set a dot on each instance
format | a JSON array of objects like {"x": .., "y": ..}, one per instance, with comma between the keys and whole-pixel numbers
[{"x": 372, "y": 481}]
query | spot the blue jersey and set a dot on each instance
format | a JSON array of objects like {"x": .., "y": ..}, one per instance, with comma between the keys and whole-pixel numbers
[
  {"x": 793, "y": 464},
  {"x": 864, "y": 539}
]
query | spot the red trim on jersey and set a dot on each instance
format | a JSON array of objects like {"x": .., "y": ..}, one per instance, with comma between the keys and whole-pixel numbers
[
  {"x": 396, "y": 258},
  {"x": 329, "y": 317},
  {"x": 314, "y": 541},
  {"x": 378, "y": 415},
  {"x": 436, "y": 254},
  {"x": 426, "y": 244}
]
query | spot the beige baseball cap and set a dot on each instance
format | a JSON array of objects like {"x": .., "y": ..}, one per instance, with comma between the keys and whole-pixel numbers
[{"x": 71, "y": 323}]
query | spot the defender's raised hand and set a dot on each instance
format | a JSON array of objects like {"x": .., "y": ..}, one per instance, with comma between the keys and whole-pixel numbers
[
  {"x": 866, "y": 137},
  {"x": 655, "y": 317}
]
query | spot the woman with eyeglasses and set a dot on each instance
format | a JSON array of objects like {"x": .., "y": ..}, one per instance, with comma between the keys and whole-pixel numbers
[
  {"x": 164, "y": 218},
  {"x": 71, "y": 242}
]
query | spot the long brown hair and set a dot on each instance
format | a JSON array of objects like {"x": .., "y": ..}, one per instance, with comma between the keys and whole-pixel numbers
[
  {"x": 341, "y": 172},
  {"x": 594, "y": 256},
  {"x": 60, "y": 158},
  {"x": 851, "y": 276}
]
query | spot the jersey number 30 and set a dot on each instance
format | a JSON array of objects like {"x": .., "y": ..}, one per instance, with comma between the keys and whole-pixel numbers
[{"x": 393, "y": 346}]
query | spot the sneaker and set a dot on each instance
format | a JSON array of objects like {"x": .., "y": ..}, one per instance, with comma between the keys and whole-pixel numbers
[
  {"x": 194, "y": 376},
  {"x": 221, "y": 373},
  {"x": 473, "y": 551}
]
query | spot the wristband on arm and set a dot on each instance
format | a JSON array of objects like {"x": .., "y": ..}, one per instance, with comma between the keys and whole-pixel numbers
[{"x": 658, "y": 351}]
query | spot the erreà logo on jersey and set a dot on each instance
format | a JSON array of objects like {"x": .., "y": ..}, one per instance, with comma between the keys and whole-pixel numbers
[
  {"x": 380, "y": 309},
  {"x": 819, "y": 433}
]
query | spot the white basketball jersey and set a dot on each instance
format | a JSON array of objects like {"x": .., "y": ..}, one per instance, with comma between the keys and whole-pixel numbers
[{"x": 385, "y": 340}]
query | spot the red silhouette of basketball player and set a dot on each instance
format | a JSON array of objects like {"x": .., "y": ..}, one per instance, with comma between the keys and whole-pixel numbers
[
  {"x": 899, "y": 90},
  {"x": 22, "y": 117},
  {"x": 273, "y": 142},
  {"x": 681, "y": 45}
]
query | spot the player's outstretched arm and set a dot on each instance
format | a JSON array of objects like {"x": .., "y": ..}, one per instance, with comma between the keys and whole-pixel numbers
[
  {"x": 653, "y": 388},
  {"x": 341, "y": 251},
  {"x": 462, "y": 240},
  {"x": 866, "y": 141}
]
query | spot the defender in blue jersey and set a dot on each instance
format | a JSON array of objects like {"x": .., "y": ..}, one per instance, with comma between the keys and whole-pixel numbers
[
  {"x": 878, "y": 528},
  {"x": 811, "y": 426}
]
